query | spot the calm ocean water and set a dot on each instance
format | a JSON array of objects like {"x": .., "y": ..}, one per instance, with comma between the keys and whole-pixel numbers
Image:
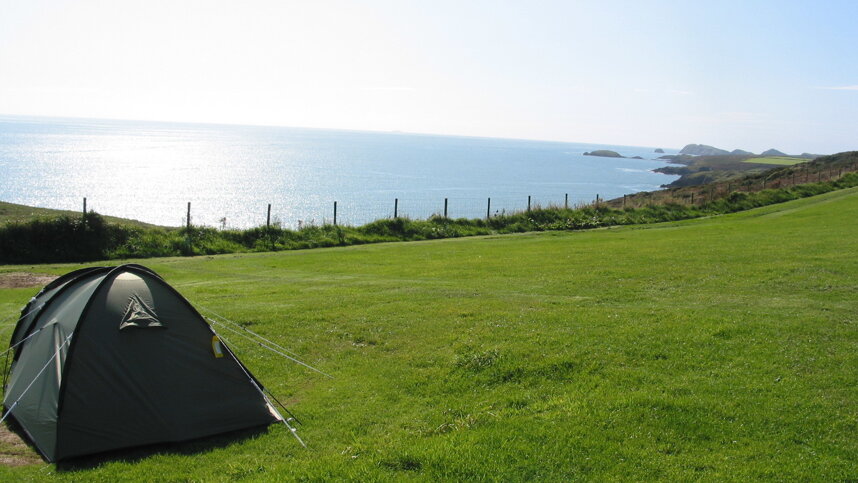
[{"x": 149, "y": 171}]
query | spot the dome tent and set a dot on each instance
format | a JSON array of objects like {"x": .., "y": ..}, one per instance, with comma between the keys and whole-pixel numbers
[{"x": 113, "y": 357}]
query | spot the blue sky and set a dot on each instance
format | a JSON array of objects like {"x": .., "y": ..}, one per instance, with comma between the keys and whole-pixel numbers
[{"x": 743, "y": 74}]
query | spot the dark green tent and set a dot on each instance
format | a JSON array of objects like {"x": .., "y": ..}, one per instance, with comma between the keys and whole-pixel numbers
[{"x": 113, "y": 357}]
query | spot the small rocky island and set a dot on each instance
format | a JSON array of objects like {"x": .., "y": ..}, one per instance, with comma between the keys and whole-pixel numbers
[{"x": 605, "y": 153}]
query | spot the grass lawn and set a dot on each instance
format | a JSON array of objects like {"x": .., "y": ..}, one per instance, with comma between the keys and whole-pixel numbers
[
  {"x": 718, "y": 348},
  {"x": 778, "y": 160}
]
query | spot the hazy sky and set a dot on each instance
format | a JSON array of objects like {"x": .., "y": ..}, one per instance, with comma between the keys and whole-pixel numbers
[{"x": 735, "y": 74}]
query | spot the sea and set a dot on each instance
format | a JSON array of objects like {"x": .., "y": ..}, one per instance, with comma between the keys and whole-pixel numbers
[{"x": 230, "y": 174}]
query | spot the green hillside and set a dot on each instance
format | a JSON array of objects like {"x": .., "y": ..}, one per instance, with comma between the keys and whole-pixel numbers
[
  {"x": 12, "y": 212},
  {"x": 777, "y": 160},
  {"x": 715, "y": 348}
]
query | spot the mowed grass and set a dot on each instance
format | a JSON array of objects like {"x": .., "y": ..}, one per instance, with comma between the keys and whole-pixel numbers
[
  {"x": 778, "y": 160},
  {"x": 719, "y": 348}
]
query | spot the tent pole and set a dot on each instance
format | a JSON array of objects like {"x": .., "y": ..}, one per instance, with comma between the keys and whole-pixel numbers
[
  {"x": 5, "y": 371},
  {"x": 274, "y": 397},
  {"x": 252, "y": 381},
  {"x": 282, "y": 406}
]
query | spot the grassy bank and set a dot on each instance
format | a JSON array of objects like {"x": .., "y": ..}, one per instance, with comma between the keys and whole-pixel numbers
[
  {"x": 719, "y": 348},
  {"x": 15, "y": 213}
]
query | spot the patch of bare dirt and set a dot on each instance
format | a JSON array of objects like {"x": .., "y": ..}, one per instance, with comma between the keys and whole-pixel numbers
[
  {"x": 14, "y": 451},
  {"x": 24, "y": 279}
]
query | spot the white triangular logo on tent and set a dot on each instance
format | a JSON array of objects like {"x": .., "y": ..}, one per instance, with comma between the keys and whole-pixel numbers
[{"x": 138, "y": 314}]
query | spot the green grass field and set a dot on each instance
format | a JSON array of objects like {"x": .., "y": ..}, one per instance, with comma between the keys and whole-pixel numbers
[
  {"x": 778, "y": 160},
  {"x": 723, "y": 348}
]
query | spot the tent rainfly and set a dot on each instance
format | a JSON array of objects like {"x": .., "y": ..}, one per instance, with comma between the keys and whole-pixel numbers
[{"x": 113, "y": 357}]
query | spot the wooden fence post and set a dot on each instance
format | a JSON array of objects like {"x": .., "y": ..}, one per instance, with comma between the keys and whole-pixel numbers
[
  {"x": 445, "y": 207},
  {"x": 489, "y": 209},
  {"x": 84, "y": 207},
  {"x": 566, "y": 202},
  {"x": 335, "y": 213},
  {"x": 396, "y": 208},
  {"x": 528, "y": 203},
  {"x": 188, "y": 221},
  {"x": 268, "y": 218}
]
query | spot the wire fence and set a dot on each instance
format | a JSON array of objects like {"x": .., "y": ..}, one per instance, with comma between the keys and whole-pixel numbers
[
  {"x": 296, "y": 214},
  {"x": 359, "y": 212}
]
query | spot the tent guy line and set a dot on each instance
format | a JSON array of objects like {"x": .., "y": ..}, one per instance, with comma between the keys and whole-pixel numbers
[
  {"x": 236, "y": 324},
  {"x": 16, "y": 344},
  {"x": 24, "y": 392},
  {"x": 266, "y": 346},
  {"x": 4, "y": 327}
]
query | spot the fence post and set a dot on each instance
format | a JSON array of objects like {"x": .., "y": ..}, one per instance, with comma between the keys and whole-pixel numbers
[
  {"x": 489, "y": 209},
  {"x": 188, "y": 224},
  {"x": 335, "y": 213},
  {"x": 445, "y": 207},
  {"x": 268, "y": 218},
  {"x": 396, "y": 208},
  {"x": 597, "y": 200},
  {"x": 566, "y": 202},
  {"x": 84, "y": 207},
  {"x": 528, "y": 203}
]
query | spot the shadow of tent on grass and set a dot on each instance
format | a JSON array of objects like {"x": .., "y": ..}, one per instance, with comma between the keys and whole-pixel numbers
[
  {"x": 135, "y": 454},
  {"x": 132, "y": 455}
]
